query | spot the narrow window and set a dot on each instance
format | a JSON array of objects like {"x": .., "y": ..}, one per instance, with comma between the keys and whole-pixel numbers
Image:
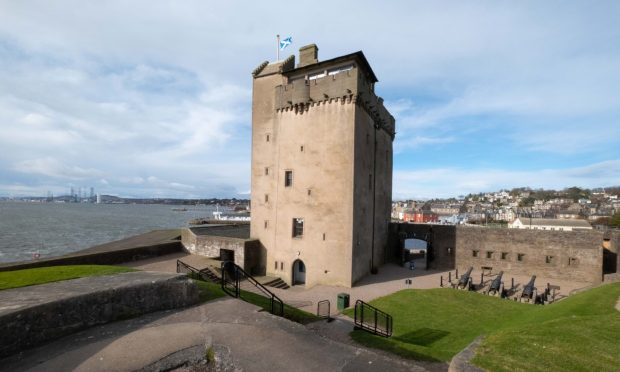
[
  {"x": 266, "y": 223},
  {"x": 267, "y": 137},
  {"x": 276, "y": 267},
  {"x": 309, "y": 192},
  {"x": 288, "y": 178},
  {"x": 298, "y": 227},
  {"x": 489, "y": 254},
  {"x": 266, "y": 198},
  {"x": 520, "y": 257},
  {"x": 549, "y": 259},
  {"x": 572, "y": 261},
  {"x": 504, "y": 255},
  {"x": 266, "y": 171},
  {"x": 281, "y": 265},
  {"x": 323, "y": 236},
  {"x": 301, "y": 148},
  {"x": 474, "y": 253}
]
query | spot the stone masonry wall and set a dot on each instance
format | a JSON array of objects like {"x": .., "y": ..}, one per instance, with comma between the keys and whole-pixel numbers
[
  {"x": 441, "y": 237},
  {"x": 210, "y": 246},
  {"x": 562, "y": 255},
  {"x": 37, "y": 314},
  {"x": 249, "y": 254}
]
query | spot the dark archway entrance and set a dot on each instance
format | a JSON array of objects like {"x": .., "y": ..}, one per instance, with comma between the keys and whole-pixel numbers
[{"x": 299, "y": 272}]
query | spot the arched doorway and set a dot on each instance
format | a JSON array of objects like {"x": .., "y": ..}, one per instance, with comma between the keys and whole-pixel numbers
[{"x": 299, "y": 272}]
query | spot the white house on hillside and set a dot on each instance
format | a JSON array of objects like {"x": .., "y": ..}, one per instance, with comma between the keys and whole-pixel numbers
[{"x": 549, "y": 224}]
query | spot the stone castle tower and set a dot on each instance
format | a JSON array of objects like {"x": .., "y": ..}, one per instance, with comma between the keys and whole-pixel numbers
[{"x": 321, "y": 168}]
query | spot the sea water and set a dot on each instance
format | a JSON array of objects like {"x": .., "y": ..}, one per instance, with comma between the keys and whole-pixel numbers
[{"x": 52, "y": 229}]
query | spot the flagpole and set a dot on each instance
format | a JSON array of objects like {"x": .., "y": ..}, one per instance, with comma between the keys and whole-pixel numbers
[{"x": 278, "y": 49}]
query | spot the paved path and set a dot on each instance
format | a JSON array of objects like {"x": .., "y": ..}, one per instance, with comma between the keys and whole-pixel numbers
[{"x": 255, "y": 341}]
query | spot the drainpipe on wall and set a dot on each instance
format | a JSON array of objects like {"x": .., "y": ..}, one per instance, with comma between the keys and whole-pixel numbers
[{"x": 373, "y": 269}]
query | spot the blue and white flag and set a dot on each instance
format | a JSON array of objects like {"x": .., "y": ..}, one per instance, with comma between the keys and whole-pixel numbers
[{"x": 285, "y": 42}]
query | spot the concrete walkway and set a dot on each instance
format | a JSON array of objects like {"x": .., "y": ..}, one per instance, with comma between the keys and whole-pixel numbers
[{"x": 253, "y": 340}]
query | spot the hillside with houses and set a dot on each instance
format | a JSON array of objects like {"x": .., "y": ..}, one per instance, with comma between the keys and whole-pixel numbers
[{"x": 519, "y": 208}]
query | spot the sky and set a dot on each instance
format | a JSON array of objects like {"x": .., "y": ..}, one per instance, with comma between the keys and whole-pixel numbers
[{"x": 153, "y": 98}]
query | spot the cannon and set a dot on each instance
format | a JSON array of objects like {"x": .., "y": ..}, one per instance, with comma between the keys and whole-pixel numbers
[
  {"x": 529, "y": 291},
  {"x": 465, "y": 280},
  {"x": 497, "y": 286}
]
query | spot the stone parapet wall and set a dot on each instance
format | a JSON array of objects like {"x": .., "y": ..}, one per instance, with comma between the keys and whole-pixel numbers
[
  {"x": 111, "y": 257},
  {"x": 562, "y": 255},
  {"x": 33, "y": 315},
  {"x": 247, "y": 252}
]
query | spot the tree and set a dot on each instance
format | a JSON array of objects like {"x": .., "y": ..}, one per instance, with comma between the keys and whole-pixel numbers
[{"x": 615, "y": 220}]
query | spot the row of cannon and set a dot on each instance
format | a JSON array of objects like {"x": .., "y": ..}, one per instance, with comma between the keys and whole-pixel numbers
[{"x": 528, "y": 294}]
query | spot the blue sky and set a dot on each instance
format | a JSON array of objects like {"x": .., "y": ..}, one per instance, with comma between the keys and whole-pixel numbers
[{"x": 153, "y": 99}]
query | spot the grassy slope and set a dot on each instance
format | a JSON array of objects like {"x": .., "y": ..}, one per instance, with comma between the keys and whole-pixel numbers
[
  {"x": 583, "y": 330},
  {"x": 26, "y": 277},
  {"x": 210, "y": 291},
  {"x": 581, "y": 333}
]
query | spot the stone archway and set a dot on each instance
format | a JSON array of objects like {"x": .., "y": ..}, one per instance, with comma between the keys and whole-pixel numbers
[{"x": 299, "y": 272}]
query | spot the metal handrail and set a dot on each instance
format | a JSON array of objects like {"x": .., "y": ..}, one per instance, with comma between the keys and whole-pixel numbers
[
  {"x": 202, "y": 274},
  {"x": 360, "y": 323},
  {"x": 237, "y": 270}
]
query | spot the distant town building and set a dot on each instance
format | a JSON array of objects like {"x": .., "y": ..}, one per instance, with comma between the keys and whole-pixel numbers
[
  {"x": 321, "y": 168},
  {"x": 549, "y": 224},
  {"x": 420, "y": 216}
]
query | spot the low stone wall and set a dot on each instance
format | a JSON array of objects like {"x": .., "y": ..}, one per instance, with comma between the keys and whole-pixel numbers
[
  {"x": 32, "y": 315},
  {"x": 562, "y": 255},
  {"x": 99, "y": 258},
  {"x": 152, "y": 244},
  {"x": 248, "y": 253}
]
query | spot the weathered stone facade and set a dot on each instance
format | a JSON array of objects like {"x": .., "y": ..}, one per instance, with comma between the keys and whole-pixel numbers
[
  {"x": 323, "y": 124},
  {"x": 563, "y": 255},
  {"x": 246, "y": 253},
  {"x": 33, "y": 315}
]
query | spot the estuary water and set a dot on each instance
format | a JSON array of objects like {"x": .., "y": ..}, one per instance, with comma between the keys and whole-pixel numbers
[{"x": 52, "y": 229}]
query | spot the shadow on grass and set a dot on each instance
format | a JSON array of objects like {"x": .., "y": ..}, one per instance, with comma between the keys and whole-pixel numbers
[
  {"x": 393, "y": 345},
  {"x": 422, "y": 336}
]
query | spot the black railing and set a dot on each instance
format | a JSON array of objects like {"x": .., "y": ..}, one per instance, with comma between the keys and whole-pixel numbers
[
  {"x": 205, "y": 274},
  {"x": 233, "y": 275},
  {"x": 371, "y": 319}
]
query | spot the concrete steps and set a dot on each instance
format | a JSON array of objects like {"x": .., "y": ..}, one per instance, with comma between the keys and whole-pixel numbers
[{"x": 277, "y": 283}]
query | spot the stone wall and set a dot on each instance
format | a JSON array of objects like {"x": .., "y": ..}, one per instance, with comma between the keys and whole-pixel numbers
[
  {"x": 36, "y": 314},
  {"x": 441, "y": 237},
  {"x": 562, "y": 255},
  {"x": 247, "y": 252},
  {"x": 99, "y": 258}
]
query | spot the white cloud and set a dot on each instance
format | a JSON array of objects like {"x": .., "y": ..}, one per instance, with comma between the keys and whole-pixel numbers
[
  {"x": 143, "y": 89},
  {"x": 53, "y": 168}
]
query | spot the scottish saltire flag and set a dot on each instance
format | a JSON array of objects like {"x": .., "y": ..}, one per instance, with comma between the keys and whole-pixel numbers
[{"x": 285, "y": 42}]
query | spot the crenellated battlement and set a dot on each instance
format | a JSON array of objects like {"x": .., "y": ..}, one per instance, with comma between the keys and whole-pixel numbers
[{"x": 344, "y": 87}]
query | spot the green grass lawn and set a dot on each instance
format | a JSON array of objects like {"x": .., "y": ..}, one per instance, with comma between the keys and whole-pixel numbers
[
  {"x": 41, "y": 275},
  {"x": 578, "y": 333}
]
